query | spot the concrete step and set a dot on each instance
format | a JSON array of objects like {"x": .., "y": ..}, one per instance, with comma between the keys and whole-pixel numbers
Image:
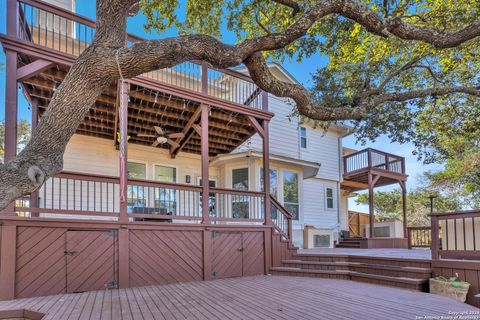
[{"x": 347, "y": 245}]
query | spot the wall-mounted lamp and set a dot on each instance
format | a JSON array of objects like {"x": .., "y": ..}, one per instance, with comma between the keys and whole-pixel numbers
[{"x": 188, "y": 178}]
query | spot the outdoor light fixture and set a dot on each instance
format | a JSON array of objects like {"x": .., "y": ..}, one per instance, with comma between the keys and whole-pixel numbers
[{"x": 187, "y": 178}]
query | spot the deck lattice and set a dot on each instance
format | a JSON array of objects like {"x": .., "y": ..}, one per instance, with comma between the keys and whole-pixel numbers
[{"x": 260, "y": 297}]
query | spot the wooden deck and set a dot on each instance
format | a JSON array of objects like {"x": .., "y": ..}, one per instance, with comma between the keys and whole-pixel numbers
[{"x": 260, "y": 297}]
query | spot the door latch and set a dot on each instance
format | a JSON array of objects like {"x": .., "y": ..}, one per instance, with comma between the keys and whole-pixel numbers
[
  {"x": 241, "y": 249},
  {"x": 69, "y": 253}
]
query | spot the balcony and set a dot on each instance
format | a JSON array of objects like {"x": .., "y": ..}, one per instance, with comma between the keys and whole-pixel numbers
[
  {"x": 49, "y": 39},
  {"x": 358, "y": 166}
]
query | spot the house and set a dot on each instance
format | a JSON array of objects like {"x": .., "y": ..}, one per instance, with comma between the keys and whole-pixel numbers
[{"x": 181, "y": 174}]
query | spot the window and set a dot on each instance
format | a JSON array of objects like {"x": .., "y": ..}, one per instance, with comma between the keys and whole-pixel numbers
[
  {"x": 240, "y": 203},
  {"x": 136, "y": 194},
  {"x": 165, "y": 198},
  {"x": 329, "y": 198},
  {"x": 273, "y": 182},
  {"x": 290, "y": 193},
  {"x": 137, "y": 170},
  {"x": 303, "y": 137}
]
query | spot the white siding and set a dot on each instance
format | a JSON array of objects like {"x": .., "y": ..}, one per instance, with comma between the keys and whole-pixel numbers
[{"x": 315, "y": 211}]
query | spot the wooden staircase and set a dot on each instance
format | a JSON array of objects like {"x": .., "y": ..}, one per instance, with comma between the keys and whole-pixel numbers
[
  {"x": 405, "y": 273},
  {"x": 348, "y": 243}
]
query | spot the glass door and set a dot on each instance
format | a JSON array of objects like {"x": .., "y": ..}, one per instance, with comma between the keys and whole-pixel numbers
[
  {"x": 240, "y": 204},
  {"x": 165, "y": 198}
]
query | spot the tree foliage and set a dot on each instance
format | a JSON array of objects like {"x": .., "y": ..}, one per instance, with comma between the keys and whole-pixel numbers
[{"x": 388, "y": 205}]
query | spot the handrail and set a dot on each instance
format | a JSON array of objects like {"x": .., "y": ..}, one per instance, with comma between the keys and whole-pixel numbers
[
  {"x": 456, "y": 235},
  {"x": 370, "y": 158},
  {"x": 419, "y": 237},
  {"x": 283, "y": 222}
]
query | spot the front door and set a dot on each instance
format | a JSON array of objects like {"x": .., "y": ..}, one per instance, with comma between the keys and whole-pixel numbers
[{"x": 91, "y": 260}]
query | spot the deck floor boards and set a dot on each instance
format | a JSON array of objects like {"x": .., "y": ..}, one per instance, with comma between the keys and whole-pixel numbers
[{"x": 260, "y": 297}]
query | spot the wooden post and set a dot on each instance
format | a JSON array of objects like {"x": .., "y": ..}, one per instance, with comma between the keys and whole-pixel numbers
[
  {"x": 11, "y": 103},
  {"x": 404, "y": 207},
  {"x": 123, "y": 257},
  {"x": 11, "y": 111},
  {"x": 8, "y": 243},
  {"x": 204, "y": 78},
  {"x": 267, "y": 241},
  {"x": 435, "y": 237},
  {"x": 123, "y": 123},
  {"x": 266, "y": 172},
  {"x": 371, "y": 210},
  {"x": 207, "y": 255},
  {"x": 205, "y": 165}
]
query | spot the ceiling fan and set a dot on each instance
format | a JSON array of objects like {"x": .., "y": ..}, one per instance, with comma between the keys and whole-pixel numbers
[{"x": 162, "y": 137}]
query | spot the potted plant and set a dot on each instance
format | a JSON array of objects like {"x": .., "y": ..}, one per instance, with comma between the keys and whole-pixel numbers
[{"x": 450, "y": 287}]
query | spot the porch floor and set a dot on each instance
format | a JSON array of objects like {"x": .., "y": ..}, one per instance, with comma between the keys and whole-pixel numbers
[
  {"x": 260, "y": 297},
  {"x": 422, "y": 254}
]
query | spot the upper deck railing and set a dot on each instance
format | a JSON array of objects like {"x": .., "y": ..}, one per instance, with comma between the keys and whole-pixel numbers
[
  {"x": 371, "y": 158},
  {"x": 54, "y": 28}
]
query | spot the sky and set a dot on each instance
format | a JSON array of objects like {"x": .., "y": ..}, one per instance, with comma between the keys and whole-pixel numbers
[{"x": 301, "y": 71}]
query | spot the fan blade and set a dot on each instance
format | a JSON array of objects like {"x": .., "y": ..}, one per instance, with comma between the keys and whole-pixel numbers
[
  {"x": 176, "y": 135},
  {"x": 173, "y": 143},
  {"x": 159, "y": 130},
  {"x": 156, "y": 143},
  {"x": 146, "y": 135}
]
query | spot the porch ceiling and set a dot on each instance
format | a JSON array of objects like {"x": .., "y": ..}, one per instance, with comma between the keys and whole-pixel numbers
[{"x": 147, "y": 108}]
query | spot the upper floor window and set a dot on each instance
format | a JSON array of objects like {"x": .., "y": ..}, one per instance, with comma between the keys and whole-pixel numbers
[
  {"x": 303, "y": 137},
  {"x": 329, "y": 198}
]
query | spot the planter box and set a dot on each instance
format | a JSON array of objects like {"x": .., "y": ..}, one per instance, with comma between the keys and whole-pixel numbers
[{"x": 445, "y": 288}]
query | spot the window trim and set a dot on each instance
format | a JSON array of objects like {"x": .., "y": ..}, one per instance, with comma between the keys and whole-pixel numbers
[
  {"x": 301, "y": 137},
  {"x": 238, "y": 168},
  {"x": 326, "y": 198}
]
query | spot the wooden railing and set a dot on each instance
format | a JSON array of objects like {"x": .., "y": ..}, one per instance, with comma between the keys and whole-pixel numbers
[
  {"x": 61, "y": 30},
  {"x": 371, "y": 158},
  {"x": 456, "y": 235},
  {"x": 75, "y": 194},
  {"x": 281, "y": 218},
  {"x": 419, "y": 237}
]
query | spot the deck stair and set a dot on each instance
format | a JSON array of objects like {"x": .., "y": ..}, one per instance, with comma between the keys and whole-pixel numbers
[
  {"x": 348, "y": 243},
  {"x": 405, "y": 273}
]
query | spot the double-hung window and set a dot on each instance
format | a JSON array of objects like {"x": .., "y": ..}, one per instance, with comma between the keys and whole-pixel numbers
[
  {"x": 303, "y": 137},
  {"x": 329, "y": 202}
]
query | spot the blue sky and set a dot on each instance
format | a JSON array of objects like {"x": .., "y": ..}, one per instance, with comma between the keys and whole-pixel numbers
[{"x": 301, "y": 71}]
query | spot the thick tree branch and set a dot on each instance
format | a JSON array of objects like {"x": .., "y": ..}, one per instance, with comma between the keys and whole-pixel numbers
[
  {"x": 291, "y": 4},
  {"x": 262, "y": 76}
]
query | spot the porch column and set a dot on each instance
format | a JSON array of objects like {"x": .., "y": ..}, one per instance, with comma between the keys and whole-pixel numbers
[
  {"x": 123, "y": 124},
  {"x": 205, "y": 164},
  {"x": 403, "y": 184},
  {"x": 11, "y": 110},
  {"x": 371, "y": 211},
  {"x": 11, "y": 114},
  {"x": 266, "y": 171}
]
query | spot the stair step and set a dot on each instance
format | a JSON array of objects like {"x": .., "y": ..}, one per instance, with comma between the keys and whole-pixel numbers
[
  {"x": 347, "y": 245},
  {"x": 334, "y": 274},
  {"x": 388, "y": 270},
  {"x": 403, "y": 282}
]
